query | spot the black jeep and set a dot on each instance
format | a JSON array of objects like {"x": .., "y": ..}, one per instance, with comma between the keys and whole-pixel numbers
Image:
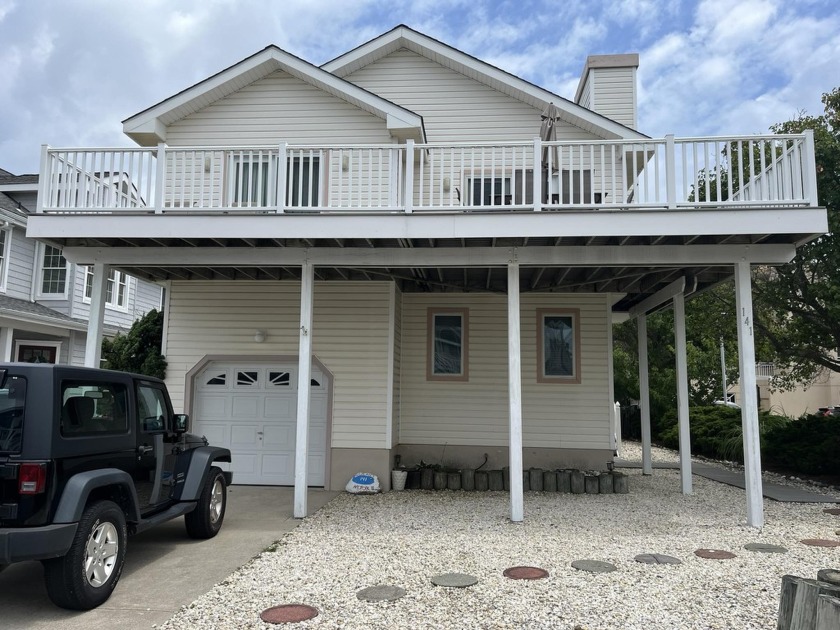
[{"x": 87, "y": 457}]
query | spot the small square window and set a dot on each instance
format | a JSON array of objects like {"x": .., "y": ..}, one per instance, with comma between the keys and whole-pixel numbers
[
  {"x": 558, "y": 346},
  {"x": 448, "y": 340}
]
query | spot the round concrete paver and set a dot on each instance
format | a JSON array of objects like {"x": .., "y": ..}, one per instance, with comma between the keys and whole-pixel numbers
[
  {"x": 832, "y": 576},
  {"x": 288, "y": 613},
  {"x": 714, "y": 554},
  {"x": 834, "y": 511},
  {"x": 525, "y": 573},
  {"x": 765, "y": 548},
  {"x": 381, "y": 593},
  {"x": 656, "y": 558},
  {"x": 593, "y": 566},
  {"x": 819, "y": 542},
  {"x": 454, "y": 580}
]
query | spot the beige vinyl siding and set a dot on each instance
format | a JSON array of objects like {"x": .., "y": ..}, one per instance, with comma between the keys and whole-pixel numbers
[
  {"x": 615, "y": 94},
  {"x": 586, "y": 92},
  {"x": 476, "y": 412},
  {"x": 274, "y": 109},
  {"x": 350, "y": 337},
  {"x": 454, "y": 107},
  {"x": 395, "y": 424}
]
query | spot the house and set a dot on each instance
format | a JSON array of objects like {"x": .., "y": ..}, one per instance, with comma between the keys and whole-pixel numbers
[
  {"x": 44, "y": 299},
  {"x": 410, "y": 251}
]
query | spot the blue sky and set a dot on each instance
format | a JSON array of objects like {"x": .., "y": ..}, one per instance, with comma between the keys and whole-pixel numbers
[{"x": 71, "y": 70}]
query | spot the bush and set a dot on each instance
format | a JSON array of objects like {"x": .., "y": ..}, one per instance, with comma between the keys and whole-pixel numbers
[
  {"x": 810, "y": 445},
  {"x": 138, "y": 350},
  {"x": 716, "y": 433}
]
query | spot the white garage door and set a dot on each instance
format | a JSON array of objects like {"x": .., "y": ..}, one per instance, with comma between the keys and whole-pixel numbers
[{"x": 251, "y": 408}]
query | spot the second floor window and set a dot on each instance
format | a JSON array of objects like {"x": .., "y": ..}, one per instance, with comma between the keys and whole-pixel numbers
[
  {"x": 53, "y": 272},
  {"x": 116, "y": 291}
]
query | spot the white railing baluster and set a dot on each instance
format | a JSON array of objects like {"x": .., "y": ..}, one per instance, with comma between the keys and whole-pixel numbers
[{"x": 409, "y": 176}]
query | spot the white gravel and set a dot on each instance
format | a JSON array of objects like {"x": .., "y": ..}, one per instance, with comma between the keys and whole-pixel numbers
[{"x": 405, "y": 538}]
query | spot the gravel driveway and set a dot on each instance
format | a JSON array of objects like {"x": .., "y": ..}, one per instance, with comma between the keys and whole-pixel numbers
[{"x": 404, "y": 538}]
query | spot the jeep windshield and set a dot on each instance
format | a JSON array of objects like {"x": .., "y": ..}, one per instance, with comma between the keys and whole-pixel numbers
[{"x": 12, "y": 404}]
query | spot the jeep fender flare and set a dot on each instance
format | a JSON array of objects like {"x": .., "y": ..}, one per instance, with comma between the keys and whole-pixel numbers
[
  {"x": 202, "y": 458},
  {"x": 78, "y": 489}
]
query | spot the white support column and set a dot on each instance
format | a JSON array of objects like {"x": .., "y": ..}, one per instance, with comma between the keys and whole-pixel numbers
[
  {"x": 93, "y": 344},
  {"x": 644, "y": 395},
  {"x": 682, "y": 393},
  {"x": 517, "y": 506},
  {"x": 6, "y": 344},
  {"x": 749, "y": 398},
  {"x": 307, "y": 278}
]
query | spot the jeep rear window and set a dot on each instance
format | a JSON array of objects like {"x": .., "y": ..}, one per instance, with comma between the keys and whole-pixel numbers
[
  {"x": 93, "y": 408},
  {"x": 12, "y": 404}
]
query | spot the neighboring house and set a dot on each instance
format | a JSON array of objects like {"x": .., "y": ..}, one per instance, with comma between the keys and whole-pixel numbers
[
  {"x": 451, "y": 263},
  {"x": 44, "y": 300},
  {"x": 822, "y": 393}
]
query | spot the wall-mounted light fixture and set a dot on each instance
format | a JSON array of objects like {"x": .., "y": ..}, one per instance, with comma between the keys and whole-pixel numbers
[
  {"x": 345, "y": 162},
  {"x": 259, "y": 336},
  {"x": 447, "y": 184},
  {"x": 207, "y": 163}
]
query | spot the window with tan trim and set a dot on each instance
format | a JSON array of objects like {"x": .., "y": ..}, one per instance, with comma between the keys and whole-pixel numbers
[
  {"x": 558, "y": 345},
  {"x": 447, "y": 356}
]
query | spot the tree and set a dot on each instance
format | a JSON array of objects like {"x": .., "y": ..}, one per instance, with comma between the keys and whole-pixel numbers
[
  {"x": 138, "y": 351},
  {"x": 798, "y": 304}
]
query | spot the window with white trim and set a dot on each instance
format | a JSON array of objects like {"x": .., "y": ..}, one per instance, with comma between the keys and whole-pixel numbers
[
  {"x": 447, "y": 353},
  {"x": 53, "y": 276},
  {"x": 5, "y": 238},
  {"x": 558, "y": 351},
  {"x": 116, "y": 291}
]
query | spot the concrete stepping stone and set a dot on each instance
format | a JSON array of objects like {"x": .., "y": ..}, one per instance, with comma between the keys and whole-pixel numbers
[
  {"x": 593, "y": 566},
  {"x": 765, "y": 548},
  {"x": 288, "y": 613},
  {"x": 714, "y": 554},
  {"x": 834, "y": 511},
  {"x": 454, "y": 580},
  {"x": 525, "y": 573},
  {"x": 656, "y": 558},
  {"x": 381, "y": 593},
  {"x": 820, "y": 542}
]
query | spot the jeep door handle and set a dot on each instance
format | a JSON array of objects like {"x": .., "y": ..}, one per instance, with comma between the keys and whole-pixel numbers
[{"x": 144, "y": 449}]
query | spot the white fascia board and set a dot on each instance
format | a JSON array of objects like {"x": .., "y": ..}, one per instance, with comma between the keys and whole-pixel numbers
[
  {"x": 662, "y": 296},
  {"x": 594, "y": 255},
  {"x": 420, "y": 225},
  {"x": 467, "y": 65},
  {"x": 51, "y": 326},
  {"x": 271, "y": 59},
  {"x": 33, "y": 187}
]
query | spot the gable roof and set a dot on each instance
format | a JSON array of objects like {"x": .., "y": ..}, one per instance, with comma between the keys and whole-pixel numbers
[
  {"x": 148, "y": 127},
  {"x": 403, "y": 36}
]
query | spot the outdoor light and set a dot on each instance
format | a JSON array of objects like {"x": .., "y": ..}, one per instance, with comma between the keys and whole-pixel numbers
[
  {"x": 259, "y": 336},
  {"x": 345, "y": 162},
  {"x": 446, "y": 184}
]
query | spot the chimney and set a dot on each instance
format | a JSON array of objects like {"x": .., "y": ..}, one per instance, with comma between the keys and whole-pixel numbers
[{"x": 608, "y": 86}]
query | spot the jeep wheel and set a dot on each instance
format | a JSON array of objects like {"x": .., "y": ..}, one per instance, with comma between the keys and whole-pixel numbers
[
  {"x": 86, "y": 576},
  {"x": 205, "y": 520}
]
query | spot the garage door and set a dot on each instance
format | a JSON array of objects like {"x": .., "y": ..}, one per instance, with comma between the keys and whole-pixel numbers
[{"x": 251, "y": 408}]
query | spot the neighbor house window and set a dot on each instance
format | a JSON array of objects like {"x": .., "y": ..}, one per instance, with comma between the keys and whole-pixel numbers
[
  {"x": 448, "y": 334},
  {"x": 116, "y": 291},
  {"x": 53, "y": 272},
  {"x": 558, "y": 346}
]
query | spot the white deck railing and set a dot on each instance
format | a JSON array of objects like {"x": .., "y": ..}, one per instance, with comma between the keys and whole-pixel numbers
[{"x": 666, "y": 173}]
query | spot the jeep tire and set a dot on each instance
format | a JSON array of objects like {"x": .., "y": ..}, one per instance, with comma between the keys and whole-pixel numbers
[
  {"x": 86, "y": 576},
  {"x": 205, "y": 520}
]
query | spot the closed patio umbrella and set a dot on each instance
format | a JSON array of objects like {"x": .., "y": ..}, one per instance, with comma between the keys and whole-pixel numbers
[{"x": 548, "y": 133}]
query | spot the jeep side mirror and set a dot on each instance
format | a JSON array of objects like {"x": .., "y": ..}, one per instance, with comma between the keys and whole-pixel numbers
[{"x": 181, "y": 421}]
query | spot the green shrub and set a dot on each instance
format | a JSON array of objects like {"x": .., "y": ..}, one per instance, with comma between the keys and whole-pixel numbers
[
  {"x": 715, "y": 431},
  {"x": 810, "y": 445}
]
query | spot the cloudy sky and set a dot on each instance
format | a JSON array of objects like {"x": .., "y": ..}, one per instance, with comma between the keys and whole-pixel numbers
[{"x": 71, "y": 70}]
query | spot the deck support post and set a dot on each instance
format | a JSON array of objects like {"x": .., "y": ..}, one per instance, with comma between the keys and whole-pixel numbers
[
  {"x": 644, "y": 394},
  {"x": 749, "y": 398},
  {"x": 307, "y": 282},
  {"x": 517, "y": 507},
  {"x": 6, "y": 344},
  {"x": 93, "y": 343},
  {"x": 682, "y": 393}
]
